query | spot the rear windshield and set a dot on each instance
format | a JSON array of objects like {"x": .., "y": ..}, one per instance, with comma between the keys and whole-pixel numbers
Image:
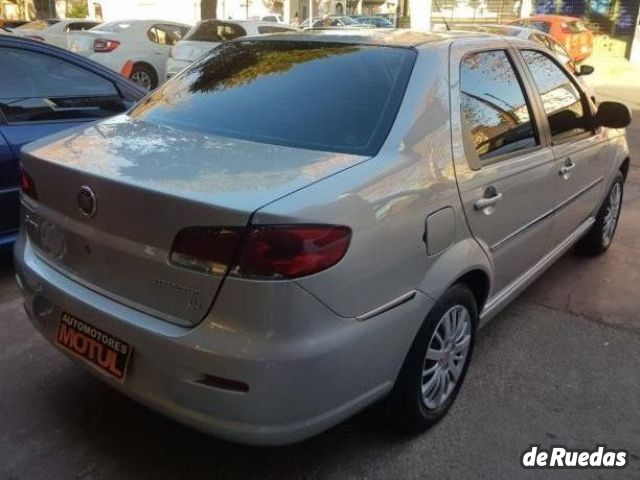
[
  {"x": 322, "y": 96},
  {"x": 214, "y": 31}
]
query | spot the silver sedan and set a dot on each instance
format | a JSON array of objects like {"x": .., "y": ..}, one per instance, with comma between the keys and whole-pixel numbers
[{"x": 298, "y": 226}]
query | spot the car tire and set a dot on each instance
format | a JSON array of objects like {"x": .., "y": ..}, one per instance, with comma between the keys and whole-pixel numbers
[
  {"x": 413, "y": 405},
  {"x": 600, "y": 237},
  {"x": 144, "y": 76}
]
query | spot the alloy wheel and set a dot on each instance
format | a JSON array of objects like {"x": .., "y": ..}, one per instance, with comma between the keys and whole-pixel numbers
[
  {"x": 613, "y": 212},
  {"x": 142, "y": 78},
  {"x": 446, "y": 356}
]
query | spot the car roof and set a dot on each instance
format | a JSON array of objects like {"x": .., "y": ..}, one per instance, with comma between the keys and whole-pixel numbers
[
  {"x": 551, "y": 18},
  {"x": 494, "y": 29},
  {"x": 239, "y": 22},
  {"x": 381, "y": 37}
]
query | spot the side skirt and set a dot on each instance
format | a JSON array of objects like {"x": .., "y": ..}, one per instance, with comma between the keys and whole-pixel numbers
[{"x": 515, "y": 288}]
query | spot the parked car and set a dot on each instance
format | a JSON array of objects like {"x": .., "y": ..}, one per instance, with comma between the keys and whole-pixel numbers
[
  {"x": 208, "y": 34},
  {"x": 262, "y": 268},
  {"x": 273, "y": 18},
  {"x": 543, "y": 39},
  {"x": 570, "y": 32},
  {"x": 334, "y": 21},
  {"x": 54, "y": 31},
  {"x": 378, "y": 22},
  {"x": 136, "y": 48},
  {"x": 44, "y": 90}
]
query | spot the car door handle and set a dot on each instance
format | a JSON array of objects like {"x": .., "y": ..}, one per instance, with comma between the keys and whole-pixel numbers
[
  {"x": 491, "y": 197},
  {"x": 567, "y": 167}
]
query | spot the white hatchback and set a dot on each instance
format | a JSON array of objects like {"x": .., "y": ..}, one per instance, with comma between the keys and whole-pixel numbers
[
  {"x": 208, "y": 34},
  {"x": 136, "y": 48}
]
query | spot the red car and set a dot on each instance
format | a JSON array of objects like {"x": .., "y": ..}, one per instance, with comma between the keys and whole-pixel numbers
[{"x": 569, "y": 31}]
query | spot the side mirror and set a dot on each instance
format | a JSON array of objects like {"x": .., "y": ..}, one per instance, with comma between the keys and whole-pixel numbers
[
  {"x": 585, "y": 70},
  {"x": 613, "y": 115}
]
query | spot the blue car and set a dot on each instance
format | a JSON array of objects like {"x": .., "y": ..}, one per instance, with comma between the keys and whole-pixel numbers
[{"x": 43, "y": 90}]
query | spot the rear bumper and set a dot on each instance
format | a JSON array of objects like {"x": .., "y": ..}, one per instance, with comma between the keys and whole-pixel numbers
[{"x": 306, "y": 368}]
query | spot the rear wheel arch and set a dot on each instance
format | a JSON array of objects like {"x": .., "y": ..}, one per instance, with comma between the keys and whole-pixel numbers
[
  {"x": 478, "y": 282},
  {"x": 624, "y": 167}
]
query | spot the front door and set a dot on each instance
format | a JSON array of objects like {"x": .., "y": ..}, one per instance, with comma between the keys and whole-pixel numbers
[
  {"x": 505, "y": 168},
  {"x": 580, "y": 152}
]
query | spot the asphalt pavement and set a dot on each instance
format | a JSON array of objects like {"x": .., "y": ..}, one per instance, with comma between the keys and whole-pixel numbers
[{"x": 560, "y": 366}]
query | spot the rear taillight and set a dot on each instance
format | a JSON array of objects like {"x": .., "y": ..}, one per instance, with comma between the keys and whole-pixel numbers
[
  {"x": 291, "y": 251},
  {"x": 269, "y": 252},
  {"x": 101, "y": 45},
  {"x": 207, "y": 249},
  {"x": 35, "y": 37},
  {"x": 27, "y": 185}
]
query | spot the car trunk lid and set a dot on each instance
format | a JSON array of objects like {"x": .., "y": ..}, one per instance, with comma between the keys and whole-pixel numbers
[
  {"x": 150, "y": 182},
  {"x": 82, "y": 42}
]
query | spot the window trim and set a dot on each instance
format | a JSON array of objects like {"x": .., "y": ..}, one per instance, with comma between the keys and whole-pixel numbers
[
  {"x": 586, "y": 105},
  {"x": 473, "y": 158}
]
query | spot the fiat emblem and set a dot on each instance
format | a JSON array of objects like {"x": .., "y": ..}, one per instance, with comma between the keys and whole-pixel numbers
[{"x": 87, "y": 202}]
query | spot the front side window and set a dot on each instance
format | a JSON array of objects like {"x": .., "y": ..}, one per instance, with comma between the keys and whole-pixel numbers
[
  {"x": 40, "y": 87},
  {"x": 562, "y": 100},
  {"x": 323, "y": 96},
  {"x": 494, "y": 107}
]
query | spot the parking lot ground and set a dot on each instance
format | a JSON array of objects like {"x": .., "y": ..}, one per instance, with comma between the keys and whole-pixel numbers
[{"x": 558, "y": 367}]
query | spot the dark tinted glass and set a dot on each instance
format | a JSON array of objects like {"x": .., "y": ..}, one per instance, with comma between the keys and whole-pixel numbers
[
  {"x": 494, "y": 107},
  {"x": 214, "y": 31},
  {"x": 39, "y": 87},
  {"x": 323, "y": 96},
  {"x": 562, "y": 102},
  {"x": 80, "y": 26}
]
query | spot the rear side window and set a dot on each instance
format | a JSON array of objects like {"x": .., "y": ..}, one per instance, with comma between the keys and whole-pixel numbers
[
  {"x": 214, "y": 31},
  {"x": 494, "y": 107},
  {"x": 323, "y": 96},
  {"x": 79, "y": 26},
  {"x": 562, "y": 100},
  {"x": 39, "y": 87},
  {"x": 165, "y": 34}
]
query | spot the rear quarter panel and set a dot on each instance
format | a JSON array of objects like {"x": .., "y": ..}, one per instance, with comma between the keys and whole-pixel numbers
[{"x": 386, "y": 200}]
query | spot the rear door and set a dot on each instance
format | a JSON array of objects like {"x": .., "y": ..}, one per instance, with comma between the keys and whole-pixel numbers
[
  {"x": 504, "y": 165},
  {"x": 580, "y": 150},
  {"x": 41, "y": 95}
]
